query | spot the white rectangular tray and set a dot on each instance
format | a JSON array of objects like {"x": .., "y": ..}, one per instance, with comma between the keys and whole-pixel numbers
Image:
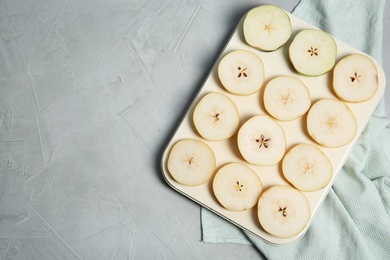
[{"x": 276, "y": 63}]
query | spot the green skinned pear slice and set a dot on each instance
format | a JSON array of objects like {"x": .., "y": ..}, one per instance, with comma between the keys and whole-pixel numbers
[
  {"x": 286, "y": 98},
  {"x": 331, "y": 123},
  {"x": 355, "y": 78},
  {"x": 283, "y": 211},
  {"x": 313, "y": 52},
  {"x": 241, "y": 72},
  {"x": 267, "y": 27},
  {"x": 307, "y": 167},
  {"x": 191, "y": 162},
  {"x": 261, "y": 141},
  {"x": 237, "y": 187},
  {"x": 216, "y": 117}
]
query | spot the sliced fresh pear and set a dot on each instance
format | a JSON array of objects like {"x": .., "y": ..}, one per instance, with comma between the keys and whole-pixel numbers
[
  {"x": 313, "y": 52},
  {"x": 283, "y": 211},
  {"x": 216, "y": 117},
  {"x": 241, "y": 72},
  {"x": 355, "y": 78},
  {"x": 191, "y": 162},
  {"x": 286, "y": 98},
  {"x": 261, "y": 140},
  {"x": 237, "y": 187},
  {"x": 307, "y": 167},
  {"x": 267, "y": 27},
  {"x": 331, "y": 123}
]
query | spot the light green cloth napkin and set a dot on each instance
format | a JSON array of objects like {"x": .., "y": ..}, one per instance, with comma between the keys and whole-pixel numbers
[{"x": 354, "y": 220}]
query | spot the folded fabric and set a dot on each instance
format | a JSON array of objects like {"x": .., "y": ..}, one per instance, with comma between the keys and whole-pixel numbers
[{"x": 354, "y": 220}]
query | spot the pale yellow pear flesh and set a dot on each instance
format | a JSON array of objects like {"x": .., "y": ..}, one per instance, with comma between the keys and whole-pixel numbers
[
  {"x": 286, "y": 98},
  {"x": 261, "y": 141},
  {"x": 313, "y": 52},
  {"x": 241, "y": 72},
  {"x": 267, "y": 27},
  {"x": 307, "y": 168},
  {"x": 283, "y": 211},
  {"x": 355, "y": 78},
  {"x": 331, "y": 123},
  {"x": 237, "y": 187},
  {"x": 191, "y": 162},
  {"x": 216, "y": 117}
]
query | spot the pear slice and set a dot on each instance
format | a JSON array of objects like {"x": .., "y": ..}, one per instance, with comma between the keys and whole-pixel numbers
[
  {"x": 241, "y": 72},
  {"x": 355, "y": 78},
  {"x": 313, "y": 52},
  {"x": 307, "y": 167},
  {"x": 191, "y": 162},
  {"x": 331, "y": 123},
  {"x": 237, "y": 187},
  {"x": 267, "y": 27},
  {"x": 261, "y": 141},
  {"x": 216, "y": 117},
  {"x": 286, "y": 98},
  {"x": 283, "y": 211}
]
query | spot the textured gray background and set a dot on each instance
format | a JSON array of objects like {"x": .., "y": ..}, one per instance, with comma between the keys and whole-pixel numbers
[{"x": 90, "y": 91}]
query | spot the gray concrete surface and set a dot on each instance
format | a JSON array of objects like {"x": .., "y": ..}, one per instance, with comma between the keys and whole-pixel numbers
[{"x": 89, "y": 93}]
